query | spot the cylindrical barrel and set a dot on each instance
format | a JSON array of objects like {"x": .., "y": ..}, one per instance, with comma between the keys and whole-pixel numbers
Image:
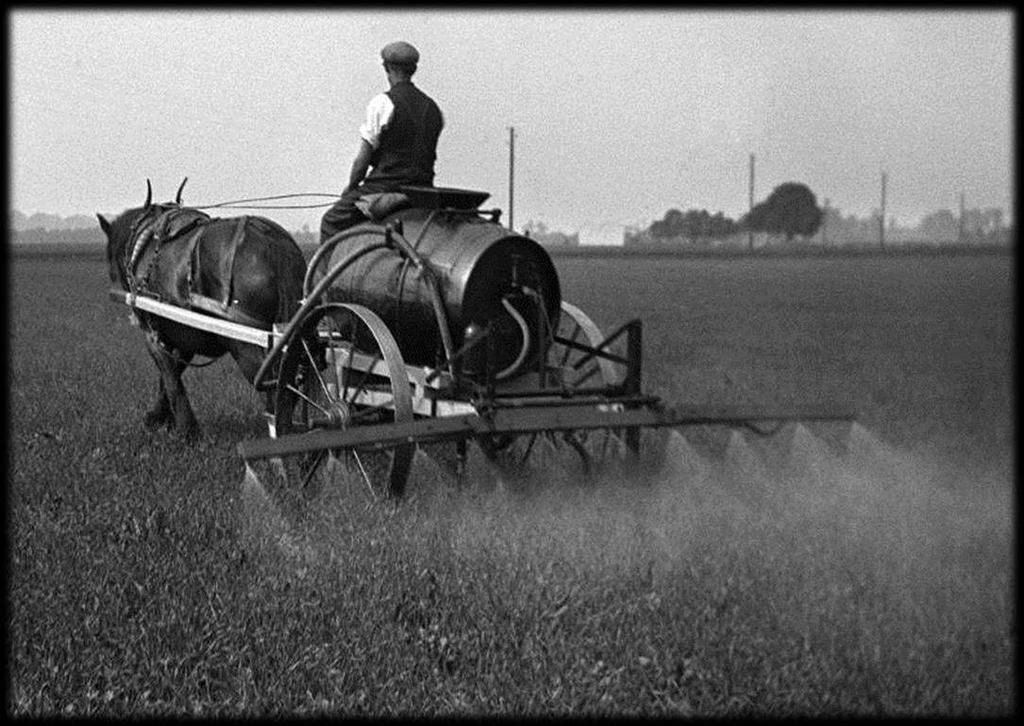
[{"x": 490, "y": 278}]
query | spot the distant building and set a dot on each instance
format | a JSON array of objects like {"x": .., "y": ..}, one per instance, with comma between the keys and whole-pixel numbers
[
  {"x": 538, "y": 231},
  {"x": 606, "y": 234},
  {"x": 556, "y": 239}
]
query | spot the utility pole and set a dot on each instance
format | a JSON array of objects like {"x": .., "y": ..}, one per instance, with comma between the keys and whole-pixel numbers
[
  {"x": 960, "y": 231},
  {"x": 881, "y": 219},
  {"x": 511, "y": 173},
  {"x": 750, "y": 209},
  {"x": 824, "y": 225}
]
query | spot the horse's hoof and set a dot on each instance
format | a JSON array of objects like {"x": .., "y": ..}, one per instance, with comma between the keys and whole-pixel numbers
[
  {"x": 189, "y": 434},
  {"x": 155, "y": 419}
]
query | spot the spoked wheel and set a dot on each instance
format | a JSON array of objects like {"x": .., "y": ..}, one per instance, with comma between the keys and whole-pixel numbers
[
  {"x": 575, "y": 328},
  {"x": 344, "y": 369},
  {"x": 569, "y": 365}
]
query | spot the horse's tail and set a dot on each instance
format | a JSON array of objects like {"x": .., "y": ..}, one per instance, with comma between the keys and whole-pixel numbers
[
  {"x": 289, "y": 288},
  {"x": 287, "y": 260},
  {"x": 260, "y": 286}
]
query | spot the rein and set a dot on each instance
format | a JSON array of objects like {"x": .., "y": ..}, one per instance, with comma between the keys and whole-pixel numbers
[{"x": 246, "y": 203}]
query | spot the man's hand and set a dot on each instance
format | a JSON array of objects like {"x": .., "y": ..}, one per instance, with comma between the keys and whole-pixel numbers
[{"x": 360, "y": 165}]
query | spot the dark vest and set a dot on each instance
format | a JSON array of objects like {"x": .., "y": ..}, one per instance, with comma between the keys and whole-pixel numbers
[{"x": 408, "y": 145}]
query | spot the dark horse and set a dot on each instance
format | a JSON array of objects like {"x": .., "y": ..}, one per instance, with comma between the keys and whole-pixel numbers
[{"x": 244, "y": 269}]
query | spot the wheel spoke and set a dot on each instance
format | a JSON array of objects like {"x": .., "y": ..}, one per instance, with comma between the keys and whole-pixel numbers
[
  {"x": 579, "y": 330},
  {"x": 313, "y": 467},
  {"x": 363, "y": 380},
  {"x": 366, "y": 477},
  {"x": 316, "y": 371},
  {"x": 349, "y": 333},
  {"x": 307, "y": 399},
  {"x": 584, "y": 378},
  {"x": 568, "y": 349},
  {"x": 529, "y": 447}
]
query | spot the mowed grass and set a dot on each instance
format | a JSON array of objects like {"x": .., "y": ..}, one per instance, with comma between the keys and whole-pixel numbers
[{"x": 150, "y": 577}]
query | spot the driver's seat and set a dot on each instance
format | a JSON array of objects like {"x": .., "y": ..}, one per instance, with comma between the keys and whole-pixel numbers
[{"x": 379, "y": 205}]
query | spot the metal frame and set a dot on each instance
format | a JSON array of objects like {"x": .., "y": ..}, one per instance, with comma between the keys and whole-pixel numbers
[
  {"x": 432, "y": 388},
  {"x": 201, "y": 321},
  {"x": 561, "y": 416}
]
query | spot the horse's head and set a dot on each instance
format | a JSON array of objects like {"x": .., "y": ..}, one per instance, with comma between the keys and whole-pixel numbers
[{"x": 122, "y": 230}]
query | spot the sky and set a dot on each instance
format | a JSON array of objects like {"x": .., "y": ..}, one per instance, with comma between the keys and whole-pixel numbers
[{"x": 619, "y": 114}]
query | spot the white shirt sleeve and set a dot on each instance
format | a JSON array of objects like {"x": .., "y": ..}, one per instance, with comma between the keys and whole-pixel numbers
[{"x": 378, "y": 114}]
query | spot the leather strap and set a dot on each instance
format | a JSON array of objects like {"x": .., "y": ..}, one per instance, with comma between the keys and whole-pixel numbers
[{"x": 228, "y": 264}]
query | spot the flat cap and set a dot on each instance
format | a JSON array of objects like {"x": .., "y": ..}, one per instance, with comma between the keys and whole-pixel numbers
[{"x": 400, "y": 53}]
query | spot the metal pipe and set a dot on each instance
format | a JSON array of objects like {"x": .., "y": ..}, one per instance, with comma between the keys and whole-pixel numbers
[
  {"x": 442, "y": 316},
  {"x": 329, "y": 245},
  {"x": 392, "y": 239},
  {"x": 433, "y": 286},
  {"x": 519, "y": 421},
  {"x": 307, "y": 305}
]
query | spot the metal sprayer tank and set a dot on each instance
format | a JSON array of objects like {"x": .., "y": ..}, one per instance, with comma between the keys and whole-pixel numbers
[{"x": 488, "y": 276}]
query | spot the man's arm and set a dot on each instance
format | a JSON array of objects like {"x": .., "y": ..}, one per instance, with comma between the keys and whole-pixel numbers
[{"x": 360, "y": 164}]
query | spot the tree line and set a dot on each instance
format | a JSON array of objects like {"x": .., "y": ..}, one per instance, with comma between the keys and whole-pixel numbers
[
  {"x": 791, "y": 214},
  {"x": 19, "y": 221}
]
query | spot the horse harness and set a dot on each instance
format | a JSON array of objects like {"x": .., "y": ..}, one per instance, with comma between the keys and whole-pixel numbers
[{"x": 171, "y": 222}]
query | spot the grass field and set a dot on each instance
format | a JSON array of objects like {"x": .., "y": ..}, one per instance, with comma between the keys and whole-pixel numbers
[{"x": 148, "y": 577}]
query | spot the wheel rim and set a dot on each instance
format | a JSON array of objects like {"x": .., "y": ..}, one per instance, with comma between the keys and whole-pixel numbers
[
  {"x": 344, "y": 369},
  {"x": 576, "y": 326},
  {"x": 601, "y": 444},
  {"x": 513, "y": 452}
]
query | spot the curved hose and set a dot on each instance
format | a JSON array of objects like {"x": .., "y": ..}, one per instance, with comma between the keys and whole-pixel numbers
[
  {"x": 433, "y": 287},
  {"x": 500, "y": 375},
  {"x": 409, "y": 250},
  {"x": 442, "y": 320},
  {"x": 307, "y": 305},
  {"x": 411, "y": 253},
  {"x": 330, "y": 244}
]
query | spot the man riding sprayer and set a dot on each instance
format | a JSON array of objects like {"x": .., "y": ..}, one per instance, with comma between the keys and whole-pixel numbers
[{"x": 398, "y": 143}]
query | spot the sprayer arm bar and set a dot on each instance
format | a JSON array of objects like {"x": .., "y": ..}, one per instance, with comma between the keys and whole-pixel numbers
[{"x": 512, "y": 421}]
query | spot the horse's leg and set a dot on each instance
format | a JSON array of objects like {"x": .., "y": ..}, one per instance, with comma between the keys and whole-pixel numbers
[
  {"x": 184, "y": 419},
  {"x": 249, "y": 359},
  {"x": 160, "y": 414},
  {"x": 171, "y": 367}
]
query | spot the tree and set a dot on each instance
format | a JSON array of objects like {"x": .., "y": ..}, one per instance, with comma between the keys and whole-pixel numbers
[
  {"x": 720, "y": 226},
  {"x": 940, "y": 226},
  {"x": 671, "y": 226},
  {"x": 791, "y": 209},
  {"x": 693, "y": 224}
]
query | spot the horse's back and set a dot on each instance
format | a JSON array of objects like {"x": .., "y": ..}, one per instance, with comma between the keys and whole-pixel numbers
[
  {"x": 248, "y": 269},
  {"x": 257, "y": 267}
]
